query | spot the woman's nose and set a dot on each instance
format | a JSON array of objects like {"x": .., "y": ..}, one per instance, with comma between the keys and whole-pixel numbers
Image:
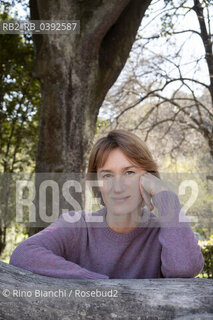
[{"x": 118, "y": 184}]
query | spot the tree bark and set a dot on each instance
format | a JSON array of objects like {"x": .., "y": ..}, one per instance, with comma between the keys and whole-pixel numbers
[
  {"x": 75, "y": 72},
  {"x": 25, "y": 295},
  {"x": 206, "y": 39}
]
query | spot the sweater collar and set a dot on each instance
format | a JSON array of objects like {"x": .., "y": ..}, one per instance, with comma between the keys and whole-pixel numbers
[{"x": 123, "y": 237}]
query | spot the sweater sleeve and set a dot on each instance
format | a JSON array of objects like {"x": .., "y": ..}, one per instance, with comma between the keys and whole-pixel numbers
[
  {"x": 44, "y": 253},
  {"x": 181, "y": 255}
]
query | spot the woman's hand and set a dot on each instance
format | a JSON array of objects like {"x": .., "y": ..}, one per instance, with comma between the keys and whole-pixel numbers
[{"x": 149, "y": 186}]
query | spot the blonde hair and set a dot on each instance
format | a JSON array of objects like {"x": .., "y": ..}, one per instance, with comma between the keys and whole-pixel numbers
[{"x": 130, "y": 144}]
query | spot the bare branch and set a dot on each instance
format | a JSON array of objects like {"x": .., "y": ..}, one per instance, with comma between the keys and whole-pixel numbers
[{"x": 171, "y": 33}]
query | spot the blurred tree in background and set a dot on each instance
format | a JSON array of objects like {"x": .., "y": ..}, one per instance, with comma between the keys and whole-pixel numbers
[{"x": 19, "y": 117}]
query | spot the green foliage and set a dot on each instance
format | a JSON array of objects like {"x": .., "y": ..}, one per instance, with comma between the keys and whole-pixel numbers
[
  {"x": 16, "y": 234},
  {"x": 9, "y": 5},
  {"x": 19, "y": 118},
  {"x": 207, "y": 251},
  {"x": 101, "y": 124},
  {"x": 19, "y": 102}
]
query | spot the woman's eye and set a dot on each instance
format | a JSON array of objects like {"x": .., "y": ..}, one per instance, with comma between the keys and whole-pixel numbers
[
  {"x": 130, "y": 172},
  {"x": 108, "y": 175}
]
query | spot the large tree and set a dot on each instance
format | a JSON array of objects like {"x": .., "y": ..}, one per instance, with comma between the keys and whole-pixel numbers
[{"x": 76, "y": 71}]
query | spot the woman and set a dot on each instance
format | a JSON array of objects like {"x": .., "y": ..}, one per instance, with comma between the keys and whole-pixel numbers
[{"x": 125, "y": 240}]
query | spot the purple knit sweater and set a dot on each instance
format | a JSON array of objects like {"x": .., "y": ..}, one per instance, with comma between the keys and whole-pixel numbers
[{"x": 92, "y": 250}]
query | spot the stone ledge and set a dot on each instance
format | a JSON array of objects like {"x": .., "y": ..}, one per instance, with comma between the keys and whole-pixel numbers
[{"x": 149, "y": 299}]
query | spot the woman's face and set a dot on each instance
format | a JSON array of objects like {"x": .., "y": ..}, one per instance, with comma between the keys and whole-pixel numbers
[{"x": 119, "y": 183}]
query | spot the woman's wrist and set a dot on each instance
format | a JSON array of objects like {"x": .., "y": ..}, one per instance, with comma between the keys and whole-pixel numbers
[{"x": 160, "y": 190}]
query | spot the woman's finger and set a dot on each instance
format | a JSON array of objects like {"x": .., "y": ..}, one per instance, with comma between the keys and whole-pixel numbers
[
  {"x": 147, "y": 197},
  {"x": 143, "y": 202},
  {"x": 150, "y": 205}
]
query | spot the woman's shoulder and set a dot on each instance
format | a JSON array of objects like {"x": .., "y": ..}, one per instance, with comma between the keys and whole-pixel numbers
[
  {"x": 79, "y": 219},
  {"x": 70, "y": 219}
]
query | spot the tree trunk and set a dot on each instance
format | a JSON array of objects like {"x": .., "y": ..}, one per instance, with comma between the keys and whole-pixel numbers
[
  {"x": 75, "y": 72},
  {"x": 26, "y": 295},
  {"x": 206, "y": 39},
  {"x": 207, "y": 43}
]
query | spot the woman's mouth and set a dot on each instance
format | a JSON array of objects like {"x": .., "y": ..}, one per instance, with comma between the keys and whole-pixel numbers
[{"x": 120, "y": 199}]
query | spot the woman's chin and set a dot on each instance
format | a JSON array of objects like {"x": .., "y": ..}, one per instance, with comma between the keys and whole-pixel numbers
[{"x": 120, "y": 210}]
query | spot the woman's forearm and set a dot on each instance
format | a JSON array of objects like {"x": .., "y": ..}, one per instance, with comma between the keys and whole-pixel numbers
[
  {"x": 181, "y": 255},
  {"x": 43, "y": 254}
]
